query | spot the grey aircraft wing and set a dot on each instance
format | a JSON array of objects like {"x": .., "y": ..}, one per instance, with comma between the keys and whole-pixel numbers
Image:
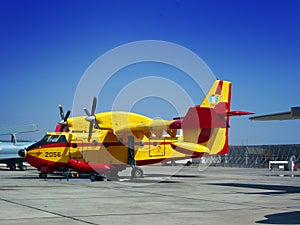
[
  {"x": 18, "y": 129},
  {"x": 294, "y": 113}
]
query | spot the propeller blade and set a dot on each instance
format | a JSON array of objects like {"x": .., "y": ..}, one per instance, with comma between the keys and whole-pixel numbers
[
  {"x": 90, "y": 131},
  {"x": 67, "y": 115},
  {"x": 91, "y": 118},
  {"x": 87, "y": 111},
  {"x": 61, "y": 112},
  {"x": 94, "y": 105},
  {"x": 63, "y": 123},
  {"x": 97, "y": 124}
]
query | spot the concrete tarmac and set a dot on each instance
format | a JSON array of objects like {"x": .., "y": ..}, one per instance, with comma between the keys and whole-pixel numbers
[{"x": 166, "y": 195}]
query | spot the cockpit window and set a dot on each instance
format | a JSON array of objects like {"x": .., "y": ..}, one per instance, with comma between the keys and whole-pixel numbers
[
  {"x": 53, "y": 139},
  {"x": 62, "y": 139},
  {"x": 45, "y": 138}
]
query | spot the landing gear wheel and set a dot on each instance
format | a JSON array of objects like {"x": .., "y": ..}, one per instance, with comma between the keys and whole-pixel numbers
[
  {"x": 12, "y": 167},
  {"x": 93, "y": 177},
  {"x": 188, "y": 163},
  {"x": 23, "y": 167},
  {"x": 137, "y": 172},
  {"x": 43, "y": 175}
]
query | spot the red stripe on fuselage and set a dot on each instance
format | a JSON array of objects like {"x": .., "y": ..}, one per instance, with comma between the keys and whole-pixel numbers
[
  {"x": 39, "y": 163},
  {"x": 88, "y": 144}
]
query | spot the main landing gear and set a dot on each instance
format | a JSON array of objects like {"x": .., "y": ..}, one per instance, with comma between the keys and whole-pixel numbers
[
  {"x": 109, "y": 176},
  {"x": 13, "y": 166},
  {"x": 97, "y": 177},
  {"x": 137, "y": 172},
  {"x": 43, "y": 175},
  {"x": 22, "y": 167}
]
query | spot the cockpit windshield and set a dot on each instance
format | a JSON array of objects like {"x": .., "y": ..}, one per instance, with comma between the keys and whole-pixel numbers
[
  {"x": 50, "y": 139},
  {"x": 45, "y": 138},
  {"x": 54, "y": 139}
]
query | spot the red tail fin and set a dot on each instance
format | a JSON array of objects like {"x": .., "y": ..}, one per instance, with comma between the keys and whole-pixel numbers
[{"x": 208, "y": 124}]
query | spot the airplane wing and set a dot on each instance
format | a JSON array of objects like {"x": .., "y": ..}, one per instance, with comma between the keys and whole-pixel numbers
[
  {"x": 140, "y": 129},
  {"x": 294, "y": 113},
  {"x": 18, "y": 129}
]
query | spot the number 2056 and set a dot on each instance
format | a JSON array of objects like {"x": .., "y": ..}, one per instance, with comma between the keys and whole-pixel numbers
[{"x": 52, "y": 154}]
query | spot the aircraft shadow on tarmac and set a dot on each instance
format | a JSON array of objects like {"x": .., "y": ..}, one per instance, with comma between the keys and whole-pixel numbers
[
  {"x": 168, "y": 175},
  {"x": 36, "y": 177},
  {"x": 149, "y": 178},
  {"x": 156, "y": 178},
  {"x": 150, "y": 181},
  {"x": 7, "y": 169},
  {"x": 274, "y": 189},
  {"x": 163, "y": 178},
  {"x": 281, "y": 218}
]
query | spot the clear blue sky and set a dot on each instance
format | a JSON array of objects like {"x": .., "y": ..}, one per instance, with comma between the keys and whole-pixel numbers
[{"x": 46, "y": 46}]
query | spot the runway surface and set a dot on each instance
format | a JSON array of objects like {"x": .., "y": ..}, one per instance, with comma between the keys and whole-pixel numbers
[{"x": 167, "y": 195}]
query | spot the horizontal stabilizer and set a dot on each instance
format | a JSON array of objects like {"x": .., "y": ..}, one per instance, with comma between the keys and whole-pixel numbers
[
  {"x": 238, "y": 113},
  {"x": 18, "y": 129}
]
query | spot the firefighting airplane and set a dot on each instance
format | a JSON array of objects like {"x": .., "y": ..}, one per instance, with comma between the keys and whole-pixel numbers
[
  {"x": 113, "y": 141},
  {"x": 9, "y": 150}
]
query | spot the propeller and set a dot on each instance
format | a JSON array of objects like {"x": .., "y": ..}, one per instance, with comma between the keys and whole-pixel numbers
[
  {"x": 63, "y": 122},
  {"x": 91, "y": 118}
]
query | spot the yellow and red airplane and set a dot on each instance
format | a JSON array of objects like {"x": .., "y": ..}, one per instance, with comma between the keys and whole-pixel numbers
[{"x": 113, "y": 141}]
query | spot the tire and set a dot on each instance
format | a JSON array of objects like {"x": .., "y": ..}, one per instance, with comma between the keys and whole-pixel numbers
[
  {"x": 93, "y": 177},
  {"x": 12, "y": 167},
  {"x": 23, "y": 168},
  {"x": 137, "y": 173},
  {"x": 188, "y": 163},
  {"x": 43, "y": 175}
]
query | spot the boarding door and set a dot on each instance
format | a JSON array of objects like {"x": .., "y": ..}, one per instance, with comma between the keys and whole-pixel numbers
[
  {"x": 156, "y": 148},
  {"x": 78, "y": 150}
]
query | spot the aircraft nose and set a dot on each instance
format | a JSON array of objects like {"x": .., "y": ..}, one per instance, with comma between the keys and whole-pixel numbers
[{"x": 22, "y": 152}]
